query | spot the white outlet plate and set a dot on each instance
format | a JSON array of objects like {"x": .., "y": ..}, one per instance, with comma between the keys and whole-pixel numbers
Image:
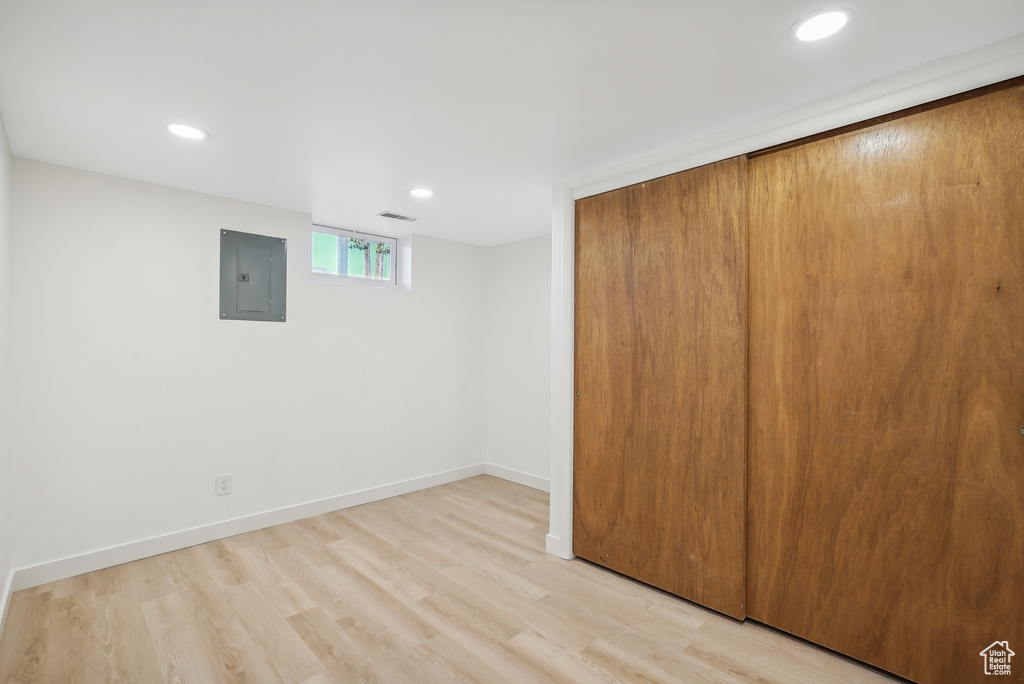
[{"x": 222, "y": 485}]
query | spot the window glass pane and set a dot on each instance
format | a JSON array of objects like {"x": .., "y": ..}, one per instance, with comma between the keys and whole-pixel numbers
[
  {"x": 369, "y": 259},
  {"x": 325, "y": 253},
  {"x": 354, "y": 255},
  {"x": 381, "y": 260},
  {"x": 358, "y": 257}
]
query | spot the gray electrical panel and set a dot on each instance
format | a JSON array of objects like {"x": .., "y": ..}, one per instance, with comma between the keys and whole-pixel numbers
[{"x": 253, "y": 271}]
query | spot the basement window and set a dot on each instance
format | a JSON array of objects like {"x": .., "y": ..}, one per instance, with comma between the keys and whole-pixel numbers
[{"x": 345, "y": 256}]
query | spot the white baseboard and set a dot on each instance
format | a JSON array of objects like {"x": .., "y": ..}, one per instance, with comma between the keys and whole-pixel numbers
[
  {"x": 519, "y": 477},
  {"x": 5, "y": 599},
  {"x": 556, "y": 547},
  {"x": 44, "y": 573}
]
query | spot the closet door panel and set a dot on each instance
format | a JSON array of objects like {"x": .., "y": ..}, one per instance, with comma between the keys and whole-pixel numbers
[
  {"x": 659, "y": 442},
  {"x": 886, "y": 470}
]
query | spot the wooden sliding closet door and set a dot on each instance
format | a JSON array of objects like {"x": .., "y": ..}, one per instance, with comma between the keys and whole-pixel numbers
[
  {"x": 661, "y": 383},
  {"x": 886, "y": 470}
]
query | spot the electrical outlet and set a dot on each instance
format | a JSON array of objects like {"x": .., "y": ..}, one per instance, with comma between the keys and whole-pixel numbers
[{"x": 222, "y": 485}]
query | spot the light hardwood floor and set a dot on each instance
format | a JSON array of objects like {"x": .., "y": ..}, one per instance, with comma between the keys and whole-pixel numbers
[{"x": 447, "y": 584}]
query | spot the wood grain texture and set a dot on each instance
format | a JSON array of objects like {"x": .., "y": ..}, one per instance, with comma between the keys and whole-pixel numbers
[
  {"x": 659, "y": 440},
  {"x": 886, "y": 471},
  {"x": 450, "y": 584}
]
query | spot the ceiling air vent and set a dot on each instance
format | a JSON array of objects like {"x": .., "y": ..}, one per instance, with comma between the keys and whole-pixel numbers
[{"x": 399, "y": 217}]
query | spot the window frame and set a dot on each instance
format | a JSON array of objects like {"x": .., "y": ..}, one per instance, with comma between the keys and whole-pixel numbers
[{"x": 363, "y": 281}]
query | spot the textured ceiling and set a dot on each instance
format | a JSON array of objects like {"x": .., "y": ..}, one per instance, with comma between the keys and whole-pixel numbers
[{"x": 340, "y": 107}]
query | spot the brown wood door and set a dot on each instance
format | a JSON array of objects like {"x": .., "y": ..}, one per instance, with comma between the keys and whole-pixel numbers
[
  {"x": 886, "y": 470},
  {"x": 659, "y": 442}
]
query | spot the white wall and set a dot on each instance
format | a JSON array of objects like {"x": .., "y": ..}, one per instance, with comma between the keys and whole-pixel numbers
[
  {"x": 132, "y": 394},
  {"x": 518, "y": 346},
  {"x": 6, "y": 489}
]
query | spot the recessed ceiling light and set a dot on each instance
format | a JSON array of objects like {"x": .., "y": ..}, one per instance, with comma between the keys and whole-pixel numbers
[
  {"x": 822, "y": 24},
  {"x": 422, "y": 192},
  {"x": 188, "y": 132}
]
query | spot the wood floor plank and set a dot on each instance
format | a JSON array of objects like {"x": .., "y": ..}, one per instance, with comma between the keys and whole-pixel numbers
[
  {"x": 490, "y": 538},
  {"x": 337, "y": 651},
  {"x": 457, "y": 662},
  {"x": 67, "y": 640},
  {"x": 315, "y": 585},
  {"x": 475, "y": 613},
  {"x": 444, "y": 585},
  {"x": 220, "y": 563},
  {"x": 413, "y": 537},
  {"x": 323, "y": 678},
  {"x": 401, "y": 619},
  {"x": 96, "y": 641},
  {"x": 273, "y": 635},
  {"x": 129, "y": 658},
  {"x": 567, "y": 625},
  {"x": 310, "y": 536},
  {"x": 388, "y": 657},
  {"x": 287, "y": 594},
  {"x": 23, "y": 649},
  {"x": 206, "y": 596},
  {"x": 565, "y": 664},
  {"x": 513, "y": 665},
  {"x": 185, "y": 651},
  {"x": 495, "y": 575},
  {"x": 241, "y": 658},
  {"x": 635, "y": 659},
  {"x": 383, "y": 565},
  {"x": 399, "y": 530},
  {"x": 141, "y": 581}
]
